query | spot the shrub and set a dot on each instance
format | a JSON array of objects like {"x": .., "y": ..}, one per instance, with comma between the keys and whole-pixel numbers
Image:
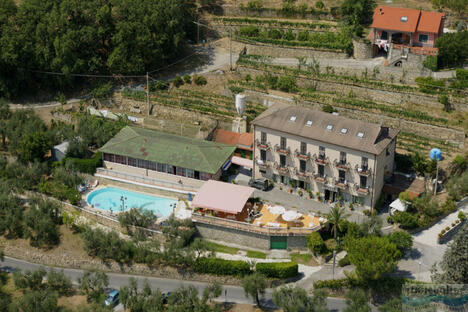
[
  {"x": 335, "y": 284},
  {"x": 405, "y": 219},
  {"x": 431, "y": 62},
  {"x": 255, "y": 4},
  {"x": 461, "y": 215},
  {"x": 315, "y": 242},
  {"x": 200, "y": 80},
  {"x": 344, "y": 262},
  {"x": 249, "y": 31},
  {"x": 402, "y": 240},
  {"x": 287, "y": 83},
  {"x": 429, "y": 84},
  {"x": 444, "y": 100},
  {"x": 221, "y": 267},
  {"x": 85, "y": 165},
  {"x": 452, "y": 49},
  {"x": 319, "y": 4},
  {"x": 303, "y": 35},
  {"x": 327, "y": 108},
  {"x": 187, "y": 79},
  {"x": 236, "y": 89},
  {"x": 278, "y": 269},
  {"x": 177, "y": 81}
]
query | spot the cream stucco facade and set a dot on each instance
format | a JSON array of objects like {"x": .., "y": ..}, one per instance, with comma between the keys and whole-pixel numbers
[{"x": 336, "y": 172}]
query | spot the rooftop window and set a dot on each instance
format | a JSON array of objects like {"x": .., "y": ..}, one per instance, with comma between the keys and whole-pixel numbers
[
  {"x": 293, "y": 118},
  {"x": 344, "y": 131},
  {"x": 360, "y": 135},
  {"x": 404, "y": 19},
  {"x": 329, "y": 127},
  {"x": 309, "y": 123}
]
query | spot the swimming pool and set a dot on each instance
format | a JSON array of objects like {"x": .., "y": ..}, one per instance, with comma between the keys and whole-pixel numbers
[{"x": 117, "y": 200}]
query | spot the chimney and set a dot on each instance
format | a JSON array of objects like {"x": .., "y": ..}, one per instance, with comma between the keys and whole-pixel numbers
[{"x": 381, "y": 11}]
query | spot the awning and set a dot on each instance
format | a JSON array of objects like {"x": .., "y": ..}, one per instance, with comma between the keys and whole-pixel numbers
[
  {"x": 244, "y": 162},
  {"x": 290, "y": 215},
  {"x": 221, "y": 196},
  {"x": 397, "y": 204}
]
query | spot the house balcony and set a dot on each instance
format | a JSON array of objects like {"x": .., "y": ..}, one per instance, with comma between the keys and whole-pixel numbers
[
  {"x": 363, "y": 170},
  {"x": 341, "y": 184},
  {"x": 283, "y": 151},
  {"x": 341, "y": 164},
  {"x": 320, "y": 178},
  {"x": 262, "y": 165},
  {"x": 300, "y": 155},
  {"x": 262, "y": 145},
  {"x": 361, "y": 191},
  {"x": 303, "y": 174},
  {"x": 282, "y": 169},
  {"x": 321, "y": 159}
]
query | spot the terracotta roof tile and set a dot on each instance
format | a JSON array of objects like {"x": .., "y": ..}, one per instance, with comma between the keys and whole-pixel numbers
[
  {"x": 242, "y": 140},
  {"x": 430, "y": 22}
]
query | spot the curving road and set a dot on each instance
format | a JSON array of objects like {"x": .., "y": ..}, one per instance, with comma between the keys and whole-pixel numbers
[{"x": 229, "y": 294}]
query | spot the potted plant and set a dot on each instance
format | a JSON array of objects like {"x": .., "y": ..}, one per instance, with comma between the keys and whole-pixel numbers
[
  {"x": 317, "y": 194},
  {"x": 351, "y": 206},
  {"x": 309, "y": 192},
  {"x": 300, "y": 193},
  {"x": 281, "y": 188},
  {"x": 290, "y": 190}
]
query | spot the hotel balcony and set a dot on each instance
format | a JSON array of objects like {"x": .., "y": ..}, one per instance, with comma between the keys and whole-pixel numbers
[
  {"x": 320, "y": 178},
  {"x": 282, "y": 169},
  {"x": 341, "y": 184},
  {"x": 283, "y": 151},
  {"x": 301, "y": 155},
  {"x": 361, "y": 191},
  {"x": 341, "y": 164},
  {"x": 363, "y": 170},
  {"x": 303, "y": 174},
  {"x": 263, "y": 165},
  {"x": 262, "y": 145},
  {"x": 321, "y": 159}
]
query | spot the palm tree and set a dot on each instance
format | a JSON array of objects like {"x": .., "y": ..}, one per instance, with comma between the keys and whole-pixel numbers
[{"x": 335, "y": 217}]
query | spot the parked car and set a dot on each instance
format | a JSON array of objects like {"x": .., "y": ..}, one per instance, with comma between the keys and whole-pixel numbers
[
  {"x": 261, "y": 184},
  {"x": 112, "y": 299}
]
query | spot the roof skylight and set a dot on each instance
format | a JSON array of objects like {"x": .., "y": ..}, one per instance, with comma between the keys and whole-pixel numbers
[
  {"x": 344, "y": 131},
  {"x": 329, "y": 127},
  {"x": 309, "y": 123},
  {"x": 293, "y": 118},
  {"x": 360, "y": 135},
  {"x": 404, "y": 19}
]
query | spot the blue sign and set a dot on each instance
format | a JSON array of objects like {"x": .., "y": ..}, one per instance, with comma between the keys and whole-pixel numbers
[{"x": 435, "y": 154}]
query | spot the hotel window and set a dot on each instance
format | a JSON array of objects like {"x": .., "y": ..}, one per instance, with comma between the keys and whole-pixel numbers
[
  {"x": 120, "y": 159},
  {"x": 152, "y": 165},
  {"x": 263, "y": 137},
  {"x": 132, "y": 162},
  {"x": 109, "y": 157},
  {"x": 321, "y": 152},
  {"x": 321, "y": 170},
  {"x": 263, "y": 155},
  {"x": 364, "y": 163},
  {"x": 161, "y": 167},
  {"x": 190, "y": 173},
  {"x": 363, "y": 182},
  {"x": 341, "y": 176},
  {"x": 302, "y": 165},
  {"x": 342, "y": 158},
  {"x": 283, "y": 143},
  {"x": 423, "y": 38},
  {"x": 303, "y": 148},
  {"x": 282, "y": 161},
  {"x": 180, "y": 171}
]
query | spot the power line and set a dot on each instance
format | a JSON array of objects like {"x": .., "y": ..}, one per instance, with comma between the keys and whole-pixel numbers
[{"x": 87, "y": 75}]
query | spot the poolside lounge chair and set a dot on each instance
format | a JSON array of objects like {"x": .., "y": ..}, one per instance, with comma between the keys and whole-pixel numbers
[
  {"x": 95, "y": 184},
  {"x": 273, "y": 224}
]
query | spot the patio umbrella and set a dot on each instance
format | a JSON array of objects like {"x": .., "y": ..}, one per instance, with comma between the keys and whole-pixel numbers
[
  {"x": 277, "y": 209},
  {"x": 291, "y": 215}
]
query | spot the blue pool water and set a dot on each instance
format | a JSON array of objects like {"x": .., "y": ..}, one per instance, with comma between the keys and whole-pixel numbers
[{"x": 111, "y": 198}]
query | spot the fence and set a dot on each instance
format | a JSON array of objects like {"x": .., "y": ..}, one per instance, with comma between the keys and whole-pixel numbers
[{"x": 106, "y": 173}]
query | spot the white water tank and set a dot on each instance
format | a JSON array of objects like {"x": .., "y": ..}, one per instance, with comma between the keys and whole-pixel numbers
[{"x": 240, "y": 104}]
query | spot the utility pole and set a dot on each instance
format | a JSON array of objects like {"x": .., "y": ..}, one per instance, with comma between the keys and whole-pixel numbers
[
  {"x": 230, "y": 47},
  {"x": 147, "y": 93},
  {"x": 198, "y": 29}
]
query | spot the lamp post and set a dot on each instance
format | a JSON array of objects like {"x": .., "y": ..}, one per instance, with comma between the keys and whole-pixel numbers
[{"x": 436, "y": 154}]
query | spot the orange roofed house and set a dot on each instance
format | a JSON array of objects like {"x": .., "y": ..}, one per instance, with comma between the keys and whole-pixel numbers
[
  {"x": 242, "y": 141},
  {"x": 399, "y": 27}
]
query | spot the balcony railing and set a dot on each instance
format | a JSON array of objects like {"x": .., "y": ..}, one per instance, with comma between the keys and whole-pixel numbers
[
  {"x": 341, "y": 184},
  {"x": 244, "y": 226},
  {"x": 320, "y": 178},
  {"x": 301, "y": 155},
  {"x": 282, "y": 169},
  {"x": 321, "y": 159},
  {"x": 363, "y": 170},
  {"x": 342, "y": 164},
  {"x": 303, "y": 174},
  {"x": 362, "y": 191},
  {"x": 262, "y": 164},
  {"x": 262, "y": 145},
  {"x": 282, "y": 150}
]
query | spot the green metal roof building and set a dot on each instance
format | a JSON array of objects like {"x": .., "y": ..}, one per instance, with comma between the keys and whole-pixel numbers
[{"x": 166, "y": 152}]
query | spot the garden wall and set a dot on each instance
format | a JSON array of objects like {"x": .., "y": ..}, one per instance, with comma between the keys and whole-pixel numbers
[{"x": 291, "y": 52}]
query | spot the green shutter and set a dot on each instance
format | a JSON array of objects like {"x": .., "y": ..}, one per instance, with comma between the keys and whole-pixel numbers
[{"x": 278, "y": 242}]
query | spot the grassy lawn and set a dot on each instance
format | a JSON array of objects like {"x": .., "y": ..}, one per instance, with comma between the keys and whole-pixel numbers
[
  {"x": 256, "y": 254},
  {"x": 306, "y": 259},
  {"x": 222, "y": 248}
]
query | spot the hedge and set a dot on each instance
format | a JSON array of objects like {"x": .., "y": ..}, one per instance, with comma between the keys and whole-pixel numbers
[
  {"x": 221, "y": 267},
  {"x": 88, "y": 165},
  {"x": 278, "y": 269}
]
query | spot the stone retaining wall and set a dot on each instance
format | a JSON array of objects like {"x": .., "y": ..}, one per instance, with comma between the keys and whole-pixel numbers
[
  {"x": 291, "y": 52},
  {"x": 362, "y": 51},
  {"x": 229, "y": 10}
]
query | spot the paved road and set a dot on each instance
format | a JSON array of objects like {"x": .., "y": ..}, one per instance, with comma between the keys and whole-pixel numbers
[{"x": 229, "y": 294}]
